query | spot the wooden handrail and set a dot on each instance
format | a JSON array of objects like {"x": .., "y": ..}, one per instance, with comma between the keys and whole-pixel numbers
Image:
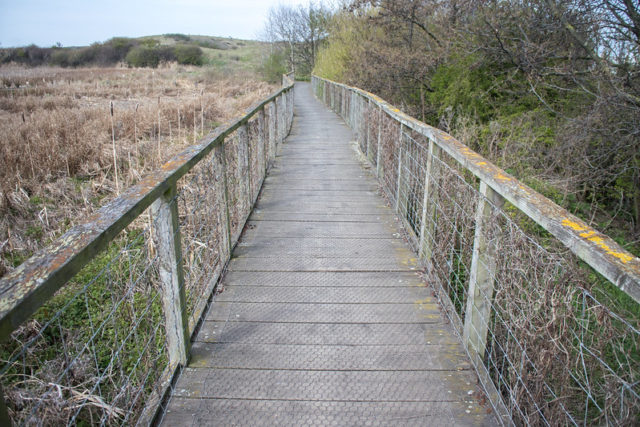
[
  {"x": 598, "y": 250},
  {"x": 30, "y": 285}
]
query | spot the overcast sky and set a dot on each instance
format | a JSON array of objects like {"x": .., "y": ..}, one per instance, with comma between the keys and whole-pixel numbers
[{"x": 82, "y": 22}]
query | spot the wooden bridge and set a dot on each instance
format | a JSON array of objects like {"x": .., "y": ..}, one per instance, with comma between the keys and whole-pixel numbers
[
  {"x": 343, "y": 265},
  {"x": 323, "y": 316}
]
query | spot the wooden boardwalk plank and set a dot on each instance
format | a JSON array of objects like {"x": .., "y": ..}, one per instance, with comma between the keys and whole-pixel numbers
[{"x": 322, "y": 318}]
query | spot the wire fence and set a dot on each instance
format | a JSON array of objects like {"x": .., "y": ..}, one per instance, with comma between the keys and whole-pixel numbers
[
  {"x": 554, "y": 335},
  {"x": 96, "y": 326}
]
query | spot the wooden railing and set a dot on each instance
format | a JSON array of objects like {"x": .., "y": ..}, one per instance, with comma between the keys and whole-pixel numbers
[
  {"x": 554, "y": 341},
  {"x": 159, "y": 249}
]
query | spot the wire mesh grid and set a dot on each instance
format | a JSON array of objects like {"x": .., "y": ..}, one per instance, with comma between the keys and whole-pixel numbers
[
  {"x": 97, "y": 351},
  {"x": 93, "y": 353},
  {"x": 372, "y": 126},
  {"x": 562, "y": 342},
  {"x": 410, "y": 188},
  {"x": 553, "y": 340},
  {"x": 257, "y": 154},
  {"x": 389, "y": 156},
  {"x": 203, "y": 231},
  {"x": 235, "y": 157}
]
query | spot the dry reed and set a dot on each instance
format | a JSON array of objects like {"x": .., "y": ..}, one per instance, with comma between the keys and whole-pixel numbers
[{"x": 70, "y": 139}]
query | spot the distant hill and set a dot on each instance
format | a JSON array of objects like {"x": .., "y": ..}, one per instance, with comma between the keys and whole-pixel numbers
[{"x": 148, "y": 51}]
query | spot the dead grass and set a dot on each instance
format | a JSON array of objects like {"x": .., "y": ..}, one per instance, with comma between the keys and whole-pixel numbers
[{"x": 56, "y": 134}]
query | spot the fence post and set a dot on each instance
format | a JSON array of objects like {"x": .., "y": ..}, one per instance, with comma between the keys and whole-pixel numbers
[
  {"x": 261, "y": 148},
  {"x": 221, "y": 189},
  {"x": 282, "y": 112},
  {"x": 276, "y": 128},
  {"x": 355, "y": 124},
  {"x": 332, "y": 97},
  {"x": 399, "y": 186},
  {"x": 481, "y": 278},
  {"x": 285, "y": 115},
  {"x": 272, "y": 130},
  {"x": 223, "y": 154},
  {"x": 167, "y": 233},
  {"x": 379, "y": 142},
  {"x": 244, "y": 161},
  {"x": 427, "y": 225},
  {"x": 290, "y": 94},
  {"x": 367, "y": 110}
]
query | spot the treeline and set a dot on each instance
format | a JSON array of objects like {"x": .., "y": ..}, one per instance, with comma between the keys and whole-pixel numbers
[
  {"x": 547, "y": 89},
  {"x": 119, "y": 50}
]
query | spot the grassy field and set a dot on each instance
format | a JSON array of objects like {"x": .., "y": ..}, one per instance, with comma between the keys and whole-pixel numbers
[{"x": 71, "y": 139}]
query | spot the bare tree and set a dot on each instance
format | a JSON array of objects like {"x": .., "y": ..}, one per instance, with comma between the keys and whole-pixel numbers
[{"x": 299, "y": 31}]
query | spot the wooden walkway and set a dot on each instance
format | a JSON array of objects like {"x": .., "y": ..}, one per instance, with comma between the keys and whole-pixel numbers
[{"x": 322, "y": 318}]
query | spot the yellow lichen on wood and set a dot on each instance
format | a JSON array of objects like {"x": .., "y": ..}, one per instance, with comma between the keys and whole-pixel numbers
[{"x": 592, "y": 236}]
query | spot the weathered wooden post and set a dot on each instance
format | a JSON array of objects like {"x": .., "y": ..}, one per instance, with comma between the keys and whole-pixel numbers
[
  {"x": 261, "y": 152},
  {"x": 427, "y": 225},
  {"x": 332, "y": 97},
  {"x": 244, "y": 159},
  {"x": 223, "y": 157},
  {"x": 481, "y": 279},
  {"x": 282, "y": 113},
  {"x": 367, "y": 110},
  {"x": 164, "y": 212},
  {"x": 289, "y": 95},
  {"x": 272, "y": 130},
  {"x": 283, "y": 98},
  {"x": 378, "y": 155},
  {"x": 279, "y": 116},
  {"x": 221, "y": 189},
  {"x": 276, "y": 127},
  {"x": 353, "y": 107},
  {"x": 399, "y": 185}
]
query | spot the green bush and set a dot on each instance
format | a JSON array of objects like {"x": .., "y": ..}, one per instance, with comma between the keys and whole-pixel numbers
[
  {"x": 61, "y": 58},
  {"x": 142, "y": 56},
  {"x": 188, "y": 54}
]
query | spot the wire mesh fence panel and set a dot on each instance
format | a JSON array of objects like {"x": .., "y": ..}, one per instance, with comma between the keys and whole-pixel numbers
[
  {"x": 562, "y": 342},
  {"x": 454, "y": 207},
  {"x": 372, "y": 123},
  {"x": 203, "y": 230},
  {"x": 94, "y": 351},
  {"x": 390, "y": 156},
  {"x": 256, "y": 154},
  {"x": 552, "y": 340},
  {"x": 362, "y": 124},
  {"x": 132, "y": 283},
  {"x": 237, "y": 181},
  {"x": 271, "y": 129},
  {"x": 411, "y": 184}
]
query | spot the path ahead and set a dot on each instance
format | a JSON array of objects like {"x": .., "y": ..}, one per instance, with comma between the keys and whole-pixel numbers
[{"x": 322, "y": 318}]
